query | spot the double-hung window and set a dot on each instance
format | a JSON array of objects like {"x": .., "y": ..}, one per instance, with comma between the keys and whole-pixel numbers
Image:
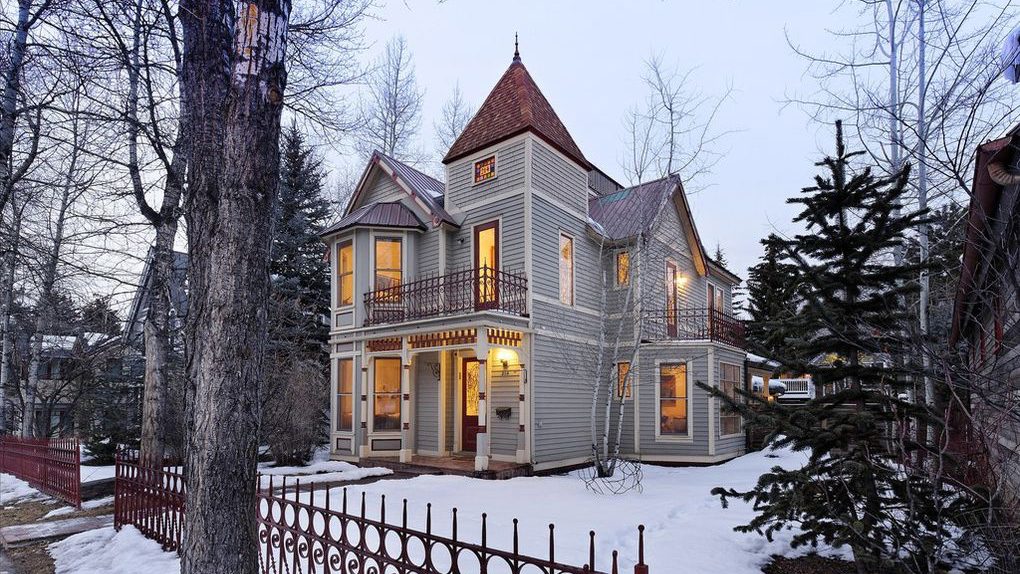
[
  {"x": 388, "y": 264},
  {"x": 673, "y": 419},
  {"x": 345, "y": 273},
  {"x": 345, "y": 395},
  {"x": 729, "y": 381},
  {"x": 386, "y": 394},
  {"x": 622, "y": 268},
  {"x": 623, "y": 383}
]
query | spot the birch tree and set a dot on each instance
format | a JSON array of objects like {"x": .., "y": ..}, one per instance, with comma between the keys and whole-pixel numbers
[
  {"x": 391, "y": 107},
  {"x": 453, "y": 118}
]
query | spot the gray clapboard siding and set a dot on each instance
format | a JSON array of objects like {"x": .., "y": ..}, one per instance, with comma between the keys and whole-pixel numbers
[
  {"x": 510, "y": 212},
  {"x": 736, "y": 443},
  {"x": 697, "y": 370},
  {"x": 560, "y": 178},
  {"x": 504, "y": 393},
  {"x": 381, "y": 188},
  {"x": 561, "y": 399},
  {"x": 426, "y": 406},
  {"x": 428, "y": 252},
  {"x": 549, "y": 221},
  {"x": 669, "y": 242},
  {"x": 510, "y": 168}
]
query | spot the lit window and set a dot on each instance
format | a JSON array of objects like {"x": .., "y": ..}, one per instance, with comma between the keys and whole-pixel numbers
[
  {"x": 673, "y": 399},
  {"x": 622, "y": 384},
  {"x": 623, "y": 268},
  {"x": 387, "y": 263},
  {"x": 487, "y": 261},
  {"x": 386, "y": 391},
  {"x": 345, "y": 273},
  {"x": 485, "y": 169},
  {"x": 345, "y": 395},
  {"x": 566, "y": 270},
  {"x": 729, "y": 381}
]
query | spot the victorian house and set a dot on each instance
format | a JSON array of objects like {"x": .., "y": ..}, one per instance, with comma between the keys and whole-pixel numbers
[{"x": 471, "y": 318}]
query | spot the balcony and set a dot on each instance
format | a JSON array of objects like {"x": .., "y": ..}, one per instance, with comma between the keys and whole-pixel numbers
[
  {"x": 457, "y": 293},
  {"x": 694, "y": 324}
]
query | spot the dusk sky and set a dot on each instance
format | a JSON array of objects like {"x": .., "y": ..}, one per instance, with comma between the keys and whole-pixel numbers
[{"x": 588, "y": 57}]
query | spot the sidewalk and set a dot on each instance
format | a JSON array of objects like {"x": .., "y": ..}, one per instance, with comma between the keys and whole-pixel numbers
[{"x": 21, "y": 534}]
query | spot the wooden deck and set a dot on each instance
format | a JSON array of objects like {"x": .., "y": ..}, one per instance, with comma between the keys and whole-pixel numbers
[{"x": 457, "y": 465}]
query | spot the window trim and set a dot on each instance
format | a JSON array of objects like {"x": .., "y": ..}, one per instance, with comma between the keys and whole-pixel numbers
[
  {"x": 740, "y": 419},
  {"x": 336, "y": 392},
  {"x": 400, "y": 399},
  {"x": 681, "y": 438},
  {"x": 670, "y": 287},
  {"x": 339, "y": 275},
  {"x": 400, "y": 238},
  {"x": 616, "y": 269},
  {"x": 495, "y": 168},
  {"x": 495, "y": 224},
  {"x": 573, "y": 269}
]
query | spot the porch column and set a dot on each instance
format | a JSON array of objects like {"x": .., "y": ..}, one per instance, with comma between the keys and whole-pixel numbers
[
  {"x": 405, "y": 405},
  {"x": 362, "y": 434},
  {"x": 482, "y": 449},
  {"x": 523, "y": 412}
]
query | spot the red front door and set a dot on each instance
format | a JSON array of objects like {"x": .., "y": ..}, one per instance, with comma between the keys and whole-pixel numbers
[{"x": 469, "y": 405}]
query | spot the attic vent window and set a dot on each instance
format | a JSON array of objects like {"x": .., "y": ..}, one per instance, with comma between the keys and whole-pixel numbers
[{"x": 485, "y": 169}]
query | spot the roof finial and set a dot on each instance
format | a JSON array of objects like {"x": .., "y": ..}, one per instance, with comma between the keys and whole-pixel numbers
[{"x": 517, "y": 52}]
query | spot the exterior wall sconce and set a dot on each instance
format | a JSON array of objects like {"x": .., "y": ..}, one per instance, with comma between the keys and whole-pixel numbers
[{"x": 505, "y": 356}]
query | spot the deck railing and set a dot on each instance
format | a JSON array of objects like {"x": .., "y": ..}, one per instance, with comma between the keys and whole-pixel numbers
[
  {"x": 465, "y": 291},
  {"x": 693, "y": 324},
  {"x": 51, "y": 465}
]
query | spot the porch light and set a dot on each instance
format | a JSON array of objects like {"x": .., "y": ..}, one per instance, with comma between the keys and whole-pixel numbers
[
  {"x": 504, "y": 356},
  {"x": 681, "y": 281}
]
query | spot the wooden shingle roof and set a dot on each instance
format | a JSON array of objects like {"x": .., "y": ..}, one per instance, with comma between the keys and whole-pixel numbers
[{"x": 513, "y": 107}]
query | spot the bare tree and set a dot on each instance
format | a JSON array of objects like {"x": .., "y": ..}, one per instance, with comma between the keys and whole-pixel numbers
[
  {"x": 454, "y": 117},
  {"x": 391, "y": 108},
  {"x": 233, "y": 121}
]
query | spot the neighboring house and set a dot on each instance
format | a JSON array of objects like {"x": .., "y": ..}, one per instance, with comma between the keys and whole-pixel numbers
[
  {"x": 985, "y": 329},
  {"x": 134, "y": 329},
  {"x": 467, "y": 315},
  {"x": 68, "y": 368}
]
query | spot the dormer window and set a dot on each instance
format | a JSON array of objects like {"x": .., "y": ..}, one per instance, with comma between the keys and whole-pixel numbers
[{"x": 485, "y": 169}]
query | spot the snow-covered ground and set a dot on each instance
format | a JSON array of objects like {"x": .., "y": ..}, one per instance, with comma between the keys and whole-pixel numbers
[
  {"x": 90, "y": 473},
  {"x": 319, "y": 469},
  {"x": 87, "y": 505},
  {"x": 13, "y": 488},
  {"x": 686, "y": 528},
  {"x": 106, "y": 551}
]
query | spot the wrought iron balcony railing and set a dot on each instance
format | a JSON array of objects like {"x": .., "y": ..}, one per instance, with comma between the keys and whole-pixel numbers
[
  {"x": 460, "y": 292},
  {"x": 692, "y": 324}
]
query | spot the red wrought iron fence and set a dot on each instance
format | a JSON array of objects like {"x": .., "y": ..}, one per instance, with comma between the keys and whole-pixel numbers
[
  {"x": 51, "y": 465},
  {"x": 694, "y": 324},
  {"x": 149, "y": 497},
  {"x": 463, "y": 291},
  {"x": 304, "y": 530}
]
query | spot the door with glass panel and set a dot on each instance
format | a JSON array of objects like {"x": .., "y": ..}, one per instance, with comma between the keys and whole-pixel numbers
[
  {"x": 469, "y": 405},
  {"x": 487, "y": 265}
]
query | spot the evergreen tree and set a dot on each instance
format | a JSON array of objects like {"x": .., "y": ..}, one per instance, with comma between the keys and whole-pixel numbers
[
  {"x": 720, "y": 255},
  {"x": 97, "y": 316},
  {"x": 855, "y": 489},
  {"x": 772, "y": 286},
  {"x": 296, "y": 394}
]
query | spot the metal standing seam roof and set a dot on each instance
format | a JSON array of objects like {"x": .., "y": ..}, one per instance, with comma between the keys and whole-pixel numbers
[
  {"x": 626, "y": 213},
  {"x": 382, "y": 214},
  {"x": 430, "y": 190}
]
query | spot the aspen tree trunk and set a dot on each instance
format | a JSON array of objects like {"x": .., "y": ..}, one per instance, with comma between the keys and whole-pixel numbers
[
  {"x": 233, "y": 85},
  {"x": 44, "y": 306},
  {"x": 6, "y": 309},
  {"x": 9, "y": 97}
]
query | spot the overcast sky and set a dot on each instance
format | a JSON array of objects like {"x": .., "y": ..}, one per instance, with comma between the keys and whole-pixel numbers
[{"x": 587, "y": 57}]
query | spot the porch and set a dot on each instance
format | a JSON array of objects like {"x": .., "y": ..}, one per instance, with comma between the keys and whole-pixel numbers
[
  {"x": 437, "y": 402},
  {"x": 456, "y": 465},
  {"x": 694, "y": 324}
]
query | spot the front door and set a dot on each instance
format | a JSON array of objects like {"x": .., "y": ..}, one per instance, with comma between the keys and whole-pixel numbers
[{"x": 469, "y": 405}]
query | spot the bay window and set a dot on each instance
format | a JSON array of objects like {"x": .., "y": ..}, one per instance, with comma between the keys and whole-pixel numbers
[
  {"x": 345, "y": 273},
  {"x": 345, "y": 395},
  {"x": 388, "y": 262},
  {"x": 386, "y": 394}
]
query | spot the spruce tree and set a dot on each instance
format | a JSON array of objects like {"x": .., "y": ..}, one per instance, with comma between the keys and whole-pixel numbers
[
  {"x": 854, "y": 489},
  {"x": 772, "y": 287},
  {"x": 296, "y": 394}
]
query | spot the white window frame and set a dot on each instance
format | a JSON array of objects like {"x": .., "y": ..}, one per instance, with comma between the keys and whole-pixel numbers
[
  {"x": 337, "y": 394},
  {"x": 573, "y": 269},
  {"x": 370, "y": 415},
  {"x": 681, "y": 438},
  {"x": 404, "y": 245},
  {"x": 740, "y": 419},
  {"x": 354, "y": 274}
]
